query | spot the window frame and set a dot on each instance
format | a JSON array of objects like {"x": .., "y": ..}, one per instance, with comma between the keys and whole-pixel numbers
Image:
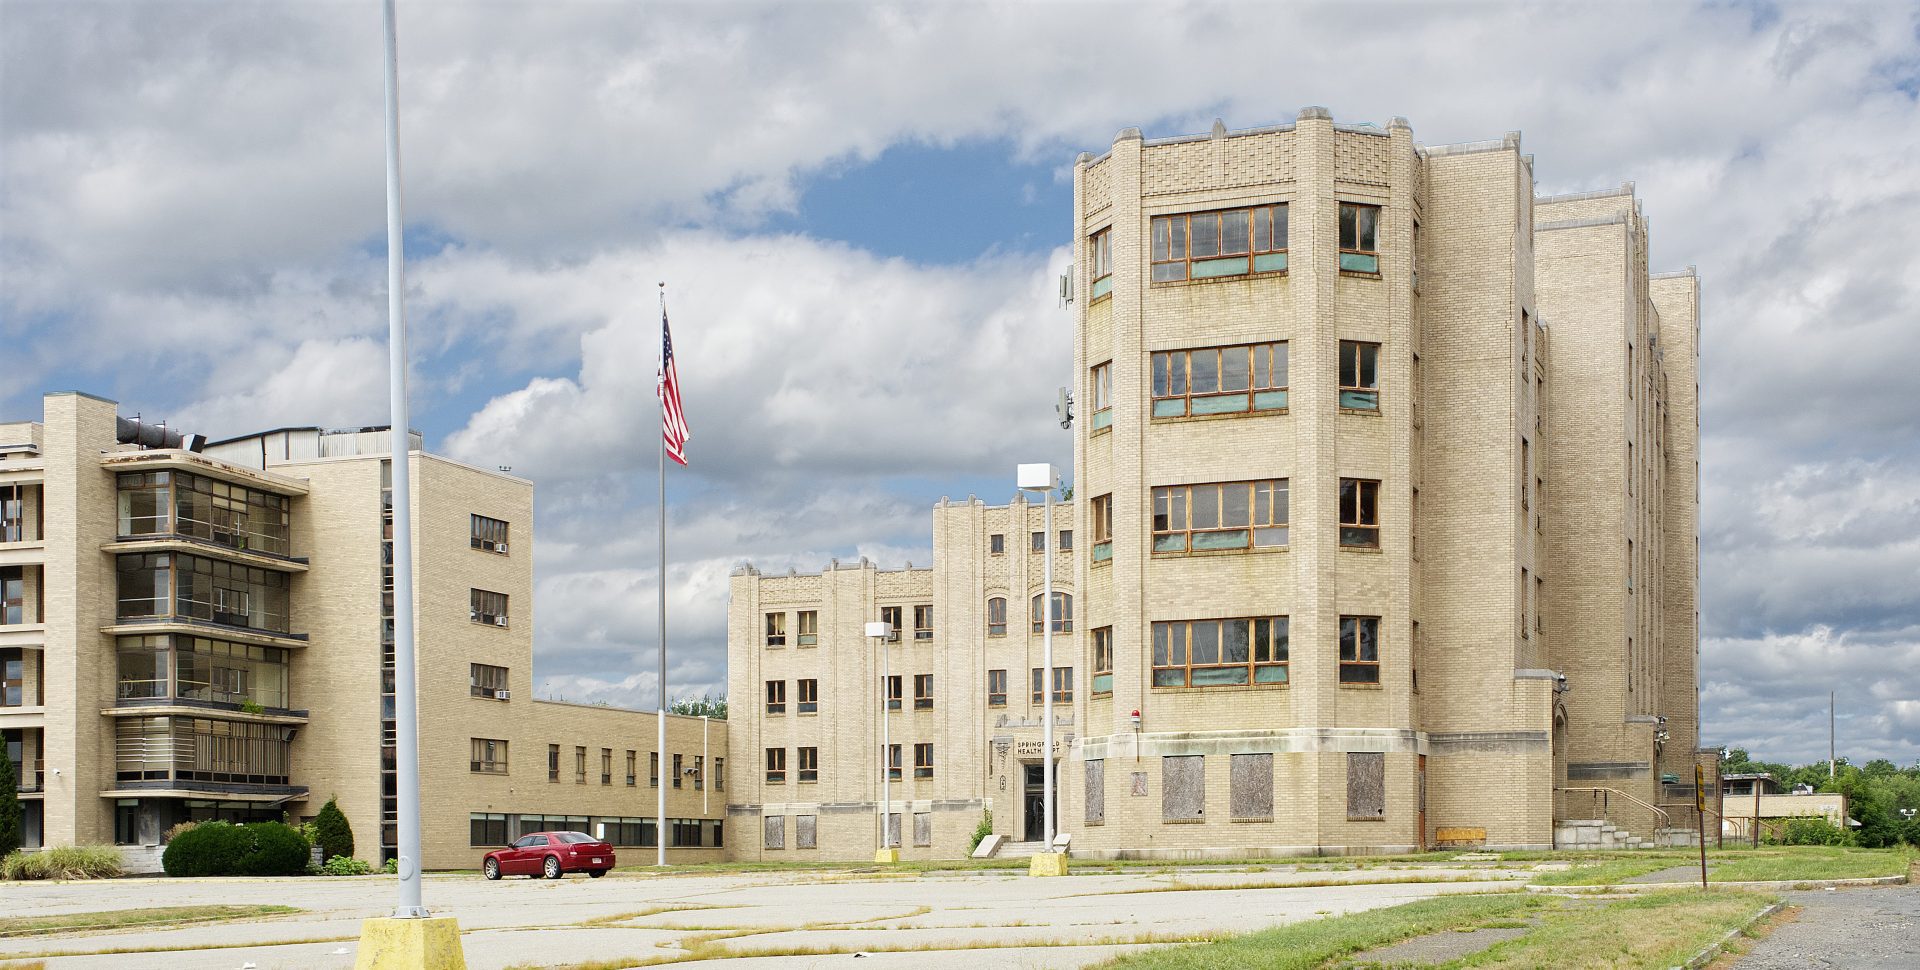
[
  {"x": 776, "y": 766},
  {"x": 1164, "y": 266},
  {"x": 486, "y": 607},
  {"x": 997, "y": 678},
  {"x": 488, "y": 756},
  {"x": 809, "y": 629},
  {"x": 1279, "y": 516},
  {"x": 1102, "y": 512},
  {"x": 923, "y": 692},
  {"x": 1100, "y": 388},
  {"x": 892, "y": 685},
  {"x": 481, "y": 680},
  {"x": 776, "y": 698},
  {"x": 606, "y": 766},
  {"x": 1273, "y": 656},
  {"x": 997, "y": 544},
  {"x": 807, "y": 765},
  {"x": 1170, "y": 373},
  {"x": 996, "y": 629},
  {"x": 923, "y": 612},
  {"x": 1062, "y": 612},
  {"x": 807, "y": 700},
  {"x": 923, "y": 759},
  {"x": 1062, "y": 685},
  {"x": 1102, "y": 661},
  {"x": 1361, "y": 524},
  {"x": 1352, "y": 643},
  {"x": 488, "y": 534},
  {"x": 1356, "y": 395},
  {"x": 1099, "y": 263},
  {"x": 891, "y": 615},
  {"x": 776, "y": 627},
  {"x": 1355, "y": 255}
]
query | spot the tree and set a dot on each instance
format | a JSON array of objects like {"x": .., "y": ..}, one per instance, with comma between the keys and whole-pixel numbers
[
  {"x": 9, "y": 808},
  {"x": 331, "y": 832},
  {"x": 706, "y": 705}
]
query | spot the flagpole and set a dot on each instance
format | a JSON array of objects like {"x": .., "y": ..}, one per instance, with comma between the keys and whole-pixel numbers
[{"x": 660, "y": 806}]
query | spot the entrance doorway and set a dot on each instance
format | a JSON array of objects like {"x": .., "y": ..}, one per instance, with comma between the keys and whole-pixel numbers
[{"x": 1034, "y": 815}]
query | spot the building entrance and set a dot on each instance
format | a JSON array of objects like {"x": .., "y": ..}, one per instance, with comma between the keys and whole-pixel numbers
[{"x": 1034, "y": 800}]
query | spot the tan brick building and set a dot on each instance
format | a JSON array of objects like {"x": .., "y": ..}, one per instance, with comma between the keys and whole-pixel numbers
[
  {"x": 1440, "y": 589},
  {"x": 196, "y": 631}
]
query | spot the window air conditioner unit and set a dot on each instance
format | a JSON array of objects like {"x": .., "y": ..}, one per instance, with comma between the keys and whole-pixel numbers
[
  {"x": 503, "y": 694},
  {"x": 501, "y": 548},
  {"x": 499, "y": 621}
]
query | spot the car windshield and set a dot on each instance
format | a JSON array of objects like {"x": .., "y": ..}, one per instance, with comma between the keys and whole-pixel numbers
[{"x": 575, "y": 838}]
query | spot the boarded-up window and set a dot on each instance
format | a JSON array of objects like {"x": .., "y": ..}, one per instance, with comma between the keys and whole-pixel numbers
[
  {"x": 893, "y": 828},
  {"x": 776, "y": 831},
  {"x": 923, "y": 828},
  {"x": 1096, "y": 791},
  {"x": 1251, "y": 795},
  {"x": 1183, "y": 788},
  {"x": 803, "y": 832},
  {"x": 1366, "y": 785}
]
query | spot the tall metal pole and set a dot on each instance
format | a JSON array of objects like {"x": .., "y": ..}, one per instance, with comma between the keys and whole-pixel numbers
[
  {"x": 886, "y": 747},
  {"x": 406, "y": 715},
  {"x": 1046, "y": 673},
  {"x": 660, "y": 802},
  {"x": 1830, "y": 752}
]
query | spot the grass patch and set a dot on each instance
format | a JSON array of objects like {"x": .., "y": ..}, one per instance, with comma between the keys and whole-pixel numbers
[
  {"x": 1765, "y": 864},
  {"x": 18, "y": 926},
  {"x": 1656, "y": 930},
  {"x": 644, "y": 913},
  {"x": 1180, "y": 886},
  {"x": 181, "y": 948}
]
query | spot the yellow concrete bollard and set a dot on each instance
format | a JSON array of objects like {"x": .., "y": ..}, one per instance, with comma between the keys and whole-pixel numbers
[
  {"x": 886, "y": 855},
  {"x": 428, "y": 943},
  {"x": 1048, "y": 864}
]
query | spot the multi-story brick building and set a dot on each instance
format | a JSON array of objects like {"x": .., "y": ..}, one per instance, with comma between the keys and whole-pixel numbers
[
  {"x": 1438, "y": 589},
  {"x": 196, "y": 631}
]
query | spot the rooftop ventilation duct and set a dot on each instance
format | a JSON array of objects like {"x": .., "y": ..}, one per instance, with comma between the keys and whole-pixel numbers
[{"x": 131, "y": 431}]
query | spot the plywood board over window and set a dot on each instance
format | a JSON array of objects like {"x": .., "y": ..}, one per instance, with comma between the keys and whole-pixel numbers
[
  {"x": 1183, "y": 788},
  {"x": 1366, "y": 785},
  {"x": 923, "y": 828},
  {"x": 1251, "y": 792},
  {"x": 776, "y": 831},
  {"x": 893, "y": 828},
  {"x": 804, "y": 828},
  {"x": 1096, "y": 791}
]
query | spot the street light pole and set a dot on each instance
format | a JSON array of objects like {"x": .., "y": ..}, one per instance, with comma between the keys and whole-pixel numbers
[
  {"x": 1044, "y": 479},
  {"x": 879, "y": 632}
]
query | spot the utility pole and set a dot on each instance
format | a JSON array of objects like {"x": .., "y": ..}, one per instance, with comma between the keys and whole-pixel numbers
[{"x": 1831, "y": 762}]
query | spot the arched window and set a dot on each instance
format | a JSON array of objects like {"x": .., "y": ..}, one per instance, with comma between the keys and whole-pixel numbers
[
  {"x": 997, "y": 616},
  {"x": 1062, "y": 613}
]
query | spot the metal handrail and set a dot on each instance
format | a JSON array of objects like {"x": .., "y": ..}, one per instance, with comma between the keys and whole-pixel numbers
[{"x": 1660, "y": 813}]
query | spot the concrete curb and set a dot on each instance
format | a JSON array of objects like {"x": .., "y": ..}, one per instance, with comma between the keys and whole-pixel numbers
[
  {"x": 1641, "y": 887},
  {"x": 1713, "y": 950}
]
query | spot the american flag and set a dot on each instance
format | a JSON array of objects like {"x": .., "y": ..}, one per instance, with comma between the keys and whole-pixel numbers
[{"x": 667, "y": 384}]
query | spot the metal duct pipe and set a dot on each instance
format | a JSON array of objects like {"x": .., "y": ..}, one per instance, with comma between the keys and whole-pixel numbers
[{"x": 132, "y": 431}]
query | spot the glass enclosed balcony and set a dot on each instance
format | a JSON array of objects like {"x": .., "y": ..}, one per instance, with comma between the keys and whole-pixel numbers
[
  {"x": 180, "y": 504},
  {"x": 198, "y": 671},
  {"x": 168, "y": 586},
  {"x": 200, "y": 753}
]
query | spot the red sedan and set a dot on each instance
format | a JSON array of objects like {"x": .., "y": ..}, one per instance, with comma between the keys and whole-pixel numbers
[{"x": 550, "y": 854}]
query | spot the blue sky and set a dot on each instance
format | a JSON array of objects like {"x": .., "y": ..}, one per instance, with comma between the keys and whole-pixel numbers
[{"x": 862, "y": 209}]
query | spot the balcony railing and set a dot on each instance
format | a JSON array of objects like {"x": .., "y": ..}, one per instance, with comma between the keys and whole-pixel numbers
[{"x": 32, "y": 776}]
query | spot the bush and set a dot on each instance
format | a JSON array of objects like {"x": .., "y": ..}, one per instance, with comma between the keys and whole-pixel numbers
[
  {"x": 174, "y": 832},
  {"x": 1812, "y": 831},
  {"x": 981, "y": 831},
  {"x": 10, "y": 811},
  {"x": 346, "y": 865},
  {"x": 392, "y": 867},
  {"x": 64, "y": 862},
  {"x": 224, "y": 849},
  {"x": 331, "y": 832}
]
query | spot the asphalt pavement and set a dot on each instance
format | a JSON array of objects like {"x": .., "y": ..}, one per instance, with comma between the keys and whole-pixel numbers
[{"x": 1875, "y": 928}]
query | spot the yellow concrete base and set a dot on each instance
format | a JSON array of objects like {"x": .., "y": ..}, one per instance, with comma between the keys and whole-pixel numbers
[
  {"x": 432, "y": 943},
  {"x": 886, "y": 855},
  {"x": 1048, "y": 864}
]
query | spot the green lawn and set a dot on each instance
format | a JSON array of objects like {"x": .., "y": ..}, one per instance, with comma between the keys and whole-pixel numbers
[
  {"x": 1657, "y": 930},
  {"x": 18, "y": 926},
  {"x": 1767, "y": 863}
]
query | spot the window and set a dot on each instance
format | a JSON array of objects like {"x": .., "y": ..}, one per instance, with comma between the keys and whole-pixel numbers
[
  {"x": 997, "y": 544},
  {"x": 1366, "y": 785},
  {"x": 809, "y": 696},
  {"x": 1231, "y": 242},
  {"x": 1103, "y": 395},
  {"x": 1103, "y": 661},
  {"x": 579, "y": 765},
  {"x": 606, "y": 766},
  {"x": 553, "y": 762},
  {"x": 653, "y": 769},
  {"x": 699, "y": 772},
  {"x": 13, "y": 595},
  {"x": 1526, "y": 596},
  {"x": 809, "y": 628},
  {"x": 774, "y": 830},
  {"x": 1062, "y": 685},
  {"x": 776, "y": 766},
  {"x": 1209, "y": 653},
  {"x": 485, "y": 680},
  {"x": 1526, "y": 466},
  {"x": 1220, "y": 380},
  {"x": 923, "y": 622},
  {"x": 776, "y": 629},
  {"x": 633, "y": 768},
  {"x": 484, "y": 829},
  {"x": 1359, "y": 649},
  {"x": 1062, "y": 613},
  {"x": 1103, "y": 528},
  {"x": 192, "y": 587},
  {"x": 489, "y": 535},
  {"x": 1066, "y": 540},
  {"x": 893, "y": 764},
  {"x": 1230, "y": 515},
  {"x": 1539, "y": 605},
  {"x": 892, "y": 686},
  {"x": 1096, "y": 791},
  {"x": 809, "y": 764},
  {"x": 1100, "y": 263},
  {"x": 890, "y": 615},
  {"x": 776, "y": 697},
  {"x": 1250, "y": 786},
  {"x": 487, "y": 607},
  {"x": 923, "y": 760},
  {"x": 183, "y": 504},
  {"x": 1630, "y": 562},
  {"x": 996, "y": 688},
  {"x": 1183, "y": 788},
  {"x": 997, "y": 616},
  {"x": 489, "y": 756},
  {"x": 923, "y": 692},
  {"x": 1039, "y": 542},
  {"x": 719, "y": 776},
  {"x": 1359, "y": 238},
  {"x": 1359, "y": 513},
  {"x": 679, "y": 771},
  {"x": 1359, "y": 376}
]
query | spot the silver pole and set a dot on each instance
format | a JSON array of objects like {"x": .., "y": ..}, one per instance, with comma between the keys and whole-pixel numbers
[
  {"x": 706, "y": 761},
  {"x": 886, "y": 749},
  {"x": 660, "y": 802},
  {"x": 1046, "y": 672},
  {"x": 880, "y": 783},
  {"x": 406, "y": 715},
  {"x": 1831, "y": 762}
]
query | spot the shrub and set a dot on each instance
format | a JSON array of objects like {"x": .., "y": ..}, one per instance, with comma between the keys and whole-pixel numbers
[
  {"x": 981, "y": 831},
  {"x": 392, "y": 867},
  {"x": 224, "y": 849},
  {"x": 63, "y": 862},
  {"x": 331, "y": 832},
  {"x": 174, "y": 832},
  {"x": 346, "y": 865},
  {"x": 10, "y": 811},
  {"x": 1812, "y": 831}
]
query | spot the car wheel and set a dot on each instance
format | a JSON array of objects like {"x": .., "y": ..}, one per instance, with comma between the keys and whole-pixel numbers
[
  {"x": 492, "y": 869},
  {"x": 553, "y": 867},
  {"x": 596, "y": 873}
]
